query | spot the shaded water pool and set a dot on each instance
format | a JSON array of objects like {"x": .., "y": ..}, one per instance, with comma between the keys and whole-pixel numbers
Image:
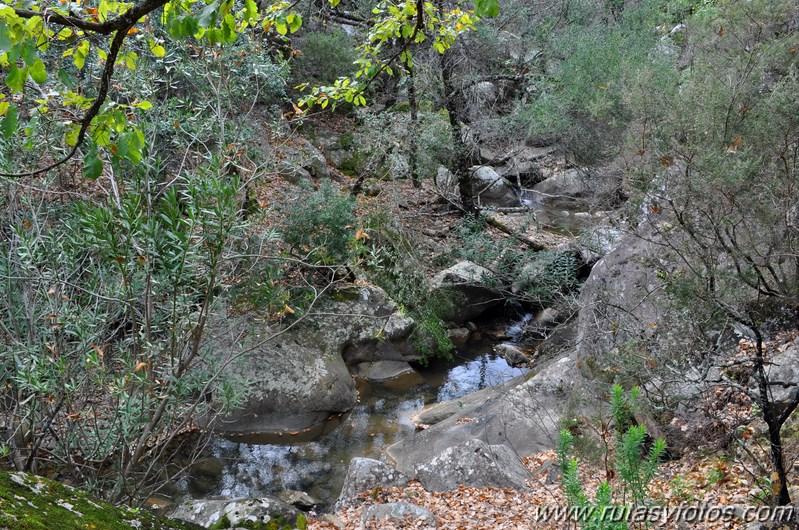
[
  {"x": 564, "y": 220},
  {"x": 381, "y": 418}
]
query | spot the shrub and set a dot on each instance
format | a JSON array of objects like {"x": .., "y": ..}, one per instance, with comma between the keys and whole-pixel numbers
[
  {"x": 388, "y": 259},
  {"x": 325, "y": 57},
  {"x": 320, "y": 231},
  {"x": 105, "y": 361},
  {"x": 383, "y": 148},
  {"x": 633, "y": 470},
  {"x": 540, "y": 278}
]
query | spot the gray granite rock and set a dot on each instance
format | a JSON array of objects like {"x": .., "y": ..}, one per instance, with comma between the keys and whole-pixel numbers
[
  {"x": 365, "y": 474},
  {"x": 473, "y": 463},
  {"x": 243, "y": 512}
]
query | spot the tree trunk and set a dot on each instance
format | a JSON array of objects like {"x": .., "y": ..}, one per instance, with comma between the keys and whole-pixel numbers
[
  {"x": 778, "y": 461},
  {"x": 414, "y": 144},
  {"x": 772, "y": 419},
  {"x": 456, "y": 107}
]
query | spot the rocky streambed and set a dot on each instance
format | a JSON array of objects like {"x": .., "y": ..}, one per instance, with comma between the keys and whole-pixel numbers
[{"x": 384, "y": 415}]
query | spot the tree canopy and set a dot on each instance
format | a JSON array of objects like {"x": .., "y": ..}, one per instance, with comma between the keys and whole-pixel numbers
[{"x": 45, "y": 45}]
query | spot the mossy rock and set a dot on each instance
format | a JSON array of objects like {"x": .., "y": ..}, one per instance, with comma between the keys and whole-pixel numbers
[
  {"x": 28, "y": 502},
  {"x": 263, "y": 513}
]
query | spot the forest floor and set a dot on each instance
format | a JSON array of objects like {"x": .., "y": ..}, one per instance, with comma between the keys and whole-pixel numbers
[
  {"x": 691, "y": 484},
  {"x": 710, "y": 487}
]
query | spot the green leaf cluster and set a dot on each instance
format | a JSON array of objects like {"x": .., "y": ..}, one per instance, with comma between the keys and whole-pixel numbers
[{"x": 635, "y": 469}]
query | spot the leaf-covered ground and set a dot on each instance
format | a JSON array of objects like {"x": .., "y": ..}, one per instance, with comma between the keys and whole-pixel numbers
[{"x": 707, "y": 480}]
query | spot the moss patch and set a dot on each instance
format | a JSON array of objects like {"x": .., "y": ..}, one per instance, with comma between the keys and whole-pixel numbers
[{"x": 28, "y": 502}]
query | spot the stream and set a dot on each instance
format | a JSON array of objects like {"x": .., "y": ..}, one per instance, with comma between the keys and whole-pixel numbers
[
  {"x": 381, "y": 418},
  {"x": 567, "y": 221}
]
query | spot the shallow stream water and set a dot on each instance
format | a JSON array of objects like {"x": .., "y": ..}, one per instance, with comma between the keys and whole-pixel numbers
[
  {"x": 564, "y": 221},
  {"x": 381, "y": 418}
]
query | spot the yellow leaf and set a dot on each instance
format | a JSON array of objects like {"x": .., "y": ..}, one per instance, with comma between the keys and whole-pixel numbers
[
  {"x": 140, "y": 365},
  {"x": 287, "y": 309}
]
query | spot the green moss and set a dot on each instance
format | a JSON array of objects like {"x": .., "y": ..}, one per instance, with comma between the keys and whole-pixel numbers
[
  {"x": 224, "y": 522},
  {"x": 28, "y": 502}
]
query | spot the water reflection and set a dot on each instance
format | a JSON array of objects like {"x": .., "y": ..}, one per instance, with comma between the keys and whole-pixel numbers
[{"x": 381, "y": 418}]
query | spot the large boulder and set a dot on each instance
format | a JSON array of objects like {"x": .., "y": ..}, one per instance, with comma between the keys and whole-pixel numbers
[
  {"x": 597, "y": 242},
  {"x": 580, "y": 187},
  {"x": 295, "y": 158},
  {"x": 628, "y": 326},
  {"x": 493, "y": 189},
  {"x": 292, "y": 172},
  {"x": 523, "y": 164},
  {"x": 482, "y": 98},
  {"x": 446, "y": 183},
  {"x": 522, "y": 414},
  {"x": 470, "y": 289},
  {"x": 473, "y": 463},
  {"x": 566, "y": 188},
  {"x": 366, "y": 474},
  {"x": 617, "y": 304},
  {"x": 237, "y": 513},
  {"x": 296, "y": 382},
  {"x": 440, "y": 411},
  {"x": 384, "y": 339},
  {"x": 784, "y": 367},
  {"x": 299, "y": 377}
]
